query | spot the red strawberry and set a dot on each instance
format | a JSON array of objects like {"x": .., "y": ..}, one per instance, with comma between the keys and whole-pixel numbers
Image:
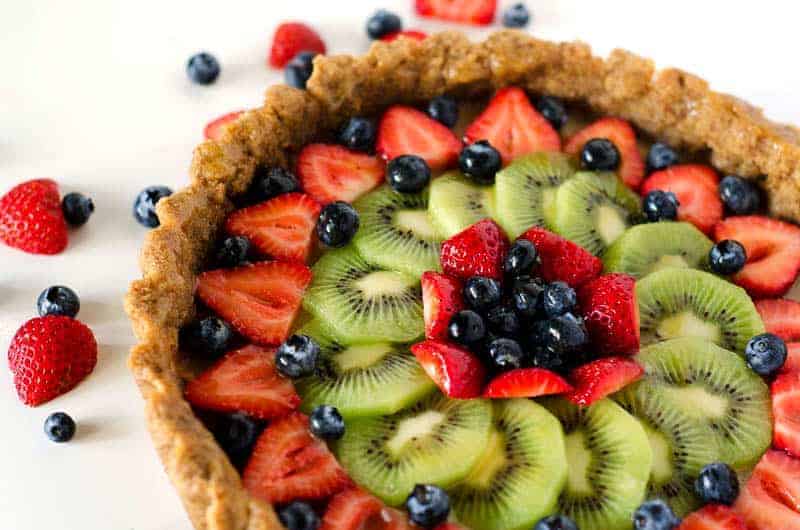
[
  {"x": 31, "y": 218},
  {"x": 244, "y": 380},
  {"x": 407, "y": 131},
  {"x": 215, "y": 128},
  {"x": 563, "y": 260},
  {"x": 611, "y": 313},
  {"x": 526, "y": 383},
  {"x": 457, "y": 372},
  {"x": 332, "y": 173},
  {"x": 713, "y": 517},
  {"x": 769, "y": 501},
  {"x": 601, "y": 378},
  {"x": 773, "y": 253},
  {"x": 449, "y": 526},
  {"x": 355, "y": 509},
  {"x": 513, "y": 126},
  {"x": 261, "y": 300},
  {"x": 289, "y": 464},
  {"x": 792, "y": 363},
  {"x": 781, "y": 317},
  {"x": 441, "y": 299},
  {"x": 408, "y": 33},
  {"x": 49, "y": 356},
  {"x": 695, "y": 185},
  {"x": 478, "y": 12},
  {"x": 290, "y": 39},
  {"x": 622, "y": 135},
  {"x": 786, "y": 411},
  {"x": 478, "y": 250},
  {"x": 282, "y": 228}
]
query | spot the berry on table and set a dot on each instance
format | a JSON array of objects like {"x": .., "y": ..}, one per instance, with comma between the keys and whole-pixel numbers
[
  {"x": 382, "y": 23},
  {"x": 505, "y": 354},
  {"x": 717, "y": 484},
  {"x": 516, "y": 16},
  {"x": 233, "y": 251},
  {"x": 739, "y": 196},
  {"x": 144, "y": 207},
  {"x": 298, "y": 71},
  {"x": 269, "y": 182},
  {"x": 553, "y": 110},
  {"x": 444, "y": 109},
  {"x": 237, "y": 434},
  {"x": 326, "y": 422},
  {"x": 520, "y": 259},
  {"x": 660, "y": 206},
  {"x": 77, "y": 208},
  {"x": 600, "y": 154},
  {"x": 480, "y": 161},
  {"x": 31, "y": 218},
  {"x": 59, "y": 427},
  {"x": 556, "y": 522},
  {"x": 207, "y": 337},
  {"x": 482, "y": 293},
  {"x": 297, "y": 357},
  {"x": 503, "y": 321},
  {"x": 661, "y": 156},
  {"x": 654, "y": 515},
  {"x": 766, "y": 353},
  {"x": 408, "y": 174},
  {"x": 558, "y": 298},
  {"x": 203, "y": 68},
  {"x": 299, "y": 515},
  {"x": 359, "y": 134},
  {"x": 467, "y": 327},
  {"x": 58, "y": 300},
  {"x": 428, "y": 506},
  {"x": 337, "y": 224},
  {"x": 727, "y": 257}
]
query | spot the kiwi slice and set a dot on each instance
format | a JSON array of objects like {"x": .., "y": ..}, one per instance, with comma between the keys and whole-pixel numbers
[
  {"x": 437, "y": 441},
  {"x": 650, "y": 247},
  {"x": 396, "y": 232},
  {"x": 690, "y": 303},
  {"x": 456, "y": 202},
  {"x": 713, "y": 387},
  {"x": 593, "y": 210},
  {"x": 521, "y": 472},
  {"x": 527, "y": 187},
  {"x": 359, "y": 302},
  {"x": 609, "y": 460}
]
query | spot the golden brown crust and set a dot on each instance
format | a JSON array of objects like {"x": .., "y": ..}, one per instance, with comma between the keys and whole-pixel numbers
[{"x": 670, "y": 105}]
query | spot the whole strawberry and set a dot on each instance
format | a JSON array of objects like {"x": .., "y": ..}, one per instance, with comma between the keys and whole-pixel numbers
[
  {"x": 49, "y": 356},
  {"x": 31, "y": 218}
]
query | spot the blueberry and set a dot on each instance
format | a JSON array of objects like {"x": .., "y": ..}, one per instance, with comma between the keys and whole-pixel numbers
[
  {"x": 503, "y": 321},
  {"x": 298, "y": 71},
  {"x": 521, "y": 258},
  {"x": 269, "y": 182},
  {"x": 717, "y": 484},
  {"x": 77, "y": 208},
  {"x": 337, "y": 224},
  {"x": 727, "y": 257},
  {"x": 467, "y": 327},
  {"x": 525, "y": 297},
  {"x": 660, "y": 206},
  {"x": 207, "y": 337},
  {"x": 739, "y": 196},
  {"x": 144, "y": 207},
  {"x": 654, "y": 515},
  {"x": 428, "y": 505},
  {"x": 58, "y": 300},
  {"x": 505, "y": 354},
  {"x": 553, "y": 110},
  {"x": 59, "y": 427},
  {"x": 299, "y": 515},
  {"x": 558, "y": 298},
  {"x": 326, "y": 422},
  {"x": 408, "y": 174},
  {"x": 600, "y": 154},
  {"x": 297, "y": 356},
  {"x": 233, "y": 251},
  {"x": 482, "y": 293},
  {"x": 382, "y": 23},
  {"x": 765, "y": 353},
  {"x": 203, "y": 68},
  {"x": 237, "y": 435},
  {"x": 444, "y": 109},
  {"x": 661, "y": 156},
  {"x": 556, "y": 340},
  {"x": 480, "y": 161},
  {"x": 516, "y": 16},
  {"x": 556, "y": 522},
  {"x": 359, "y": 134}
]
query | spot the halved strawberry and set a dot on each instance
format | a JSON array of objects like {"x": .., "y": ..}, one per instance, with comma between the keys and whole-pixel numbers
[
  {"x": 355, "y": 509},
  {"x": 563, "y": 260},
  {"x": 478, "y": 250},
  {"x": 290, "y": 39},
  {"x": 773, "y": 253},
  {"x": 282, "y": 228},
  {"x": 449, "y": 526},
  {"x": 526, "y": 383},
  {"x": 244, "y": 380},
  {"x": 332, "y": 173},
  {"x": 792, "y": 364},
  {"x": 781, "y": 317},
  {"x": 601, "y": 378},
  {"x": 289, "y": 464},
  {"x": 786, "y": 412},
  {"x": 408, "y": 131},
  {"x": 695, "y": 185},
  {"x": 441, "y": 299},
  {"x": 260, "y": 300},
  {"x": 771, "y": 498},
  {"x": 215, "y": 128},
  {"x": 31, "y": 218},
  {"x": 631, "y": 167},
  {"x": 713, "y": 517},
  {"x": 407, "y": 33},
  {"x": 457, "y": 372},
  {"x": 611, "y": 313},
  {"x": 513, "y": 126},
  {"x": 479, "y": 12}
]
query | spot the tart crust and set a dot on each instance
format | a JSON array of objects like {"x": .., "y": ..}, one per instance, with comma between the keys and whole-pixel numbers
[{"x": 670, "y": 104}]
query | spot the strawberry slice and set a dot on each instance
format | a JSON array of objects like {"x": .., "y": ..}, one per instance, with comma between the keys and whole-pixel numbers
[
  {"x": 781, "y": 317},
  {"x": 441, "y": 299},
  {"x": 332, "y": 173},
  {"x": 769, "y": 501},
  {"x": 792, "y": 364},
  {"x": 407, "y": 33},
  {"x": 601, "y": 378},
  {"x": 458, "y": 372},
  {"x": 526, "y": 383},
  {"x": 407, "y": 131},
  {"x": 290, "y": 39},
  {"x": 215, "y": 128},
  {"x": 478, "y": 250},
  {"x": 477, "y": 12},
  {"x": 695, "y": 185},
  {"x": 260, "y": 300},
  {"x": 282, "y": 228},
  {"x": 289, "y": 464},
  {"x": 513, "y": 126},
  {"x": 611, "y": 313},
  {"x": 713, "y": 517},
  {"x": 563, "y": 260},
  {"x": 786, "y": 412},
  {"x": 355, "y": 509},
  {"x": 773, "y": 253},
  {"x": 244, "y": 380},
  {"x": 621, "y": 134},
  {"x": 31, "y": 218}
]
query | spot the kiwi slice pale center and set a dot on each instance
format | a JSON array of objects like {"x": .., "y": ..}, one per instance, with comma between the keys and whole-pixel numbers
[
  {"x": 492, "y": 461},
  {"x": 579, "y": 456},
  {"x": 687, "y": 324},
  {"x": 362, "y": 356},
  {"x": 383, "y": 283},
  {"x": 415, "y": 221},
  {"x": 610, "y": 222},
  {"x": 668, "y": 261},
  {"x": 413, "y": 430},
  {"x": 662, "y": 470},
  {"x": 698, "y": 402}
]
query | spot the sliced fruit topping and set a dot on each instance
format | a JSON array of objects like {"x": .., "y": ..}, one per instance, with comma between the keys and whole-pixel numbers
[
  {"x": 355, "y": 509},
  {"x": 456, "y": 203},
  {"x": 769, "y": 500},
  {"x": 695, "y": 185},
  {"x": 786, "y": 411},
  {"x": 31, "y": 218},
  {"x": 611, "y": 313},
  {"x": 622, "y": 135},
  {"x": 526, "y": 383},
  {"x": 477, "y": 251},
  {"x": 290, "y": 39},
  {"x": 332, "y": 173},
  {"x": 215, "y": 128},
  {"x": 441, "y": 299},
  {"x": 561, "y": 259},
  {"x": 480, "y": 12},
  {"x": 713, "y": 517},
  {"x": 405, "y": 34},
  {"x": 781, "y": 317},
  {"x": 456, "y": 371},
  {"x": 408, "y": 131},
  {"x": 601, "y": 378}
]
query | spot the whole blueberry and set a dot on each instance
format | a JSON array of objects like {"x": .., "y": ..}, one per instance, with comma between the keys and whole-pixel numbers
[
  {"x": 233, "y": 251},
  {"x": 58, "y": 300},
  {"x": 727, "y": 257},
  {"x": 556, "y": 522},
  {"x": 59, "y": 427},
  {"x": 503, "y": 321},
  {"x": 237, "y": 434},
  {"x": 482, "y": 293},
  {"x": 444, "y": 109},
  {"x": 203, "y": 68},
  {"x": 525, "y": 297},
  {"x": 516, "y": 16},
  {"x": 739, "y": 196},
  {"x": 428, "y": 505},
  {"x": 207, "y": 337},
  {"x": 269, "y": 182},
  {"x": 660, "y": 206},
  {"x": 467, "y": 327},
  {"x": 408, "y": 174},
  {"x": 298, "y": 71},
  {"x": 717, "y": 484},
  {"x": 654, "y": 515},
  {"x": 600, "y": 154},
  {"x": 299, "y": 515},
  {"x": 558, "y": 298},
  {"x": 661, "y": 156},
  {"x": 765, "y": 353},
  {"x": 338, "y": 222},
  {"x": 553, "y": 110},
  {"x": 520, "y": 259},
  {"x": 326, "y": 422},
  {"x": 358, "y": 134},
  {"x": 555, "y": 341},
  {"x": 382, "y": 23},
  {"x": 480, "y": 161},
  {"x": 144, "y": 207},
  {"x": 77, "y": 208},
  {"x": 297, "y": 356},
  {"x": 505, "y": 354}
]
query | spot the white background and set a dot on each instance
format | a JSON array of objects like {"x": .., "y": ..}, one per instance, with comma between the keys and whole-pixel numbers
[{"x": 94, "y": 94}]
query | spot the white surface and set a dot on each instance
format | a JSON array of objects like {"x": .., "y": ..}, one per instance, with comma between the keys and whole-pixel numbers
[{"x": 94, "y": 94}]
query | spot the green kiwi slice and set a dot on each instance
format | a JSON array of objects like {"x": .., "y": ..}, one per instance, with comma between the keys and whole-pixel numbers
[
  {"x": 437, "y": 441},
  {"x": 609, "y": 460},
  {"x": 714, "y": 387},
  {"x": 396, "y": 232},
  {"x": 520, "y": 474},
  {"x": 593, "y": 210},
  {"x": 527, "y": 187},
  {"x": 691, "y": 303},
  {"x": 358, "y": 302},
  {"x": 456, "y": 202},
  {"x": 650, "y": 247}
]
